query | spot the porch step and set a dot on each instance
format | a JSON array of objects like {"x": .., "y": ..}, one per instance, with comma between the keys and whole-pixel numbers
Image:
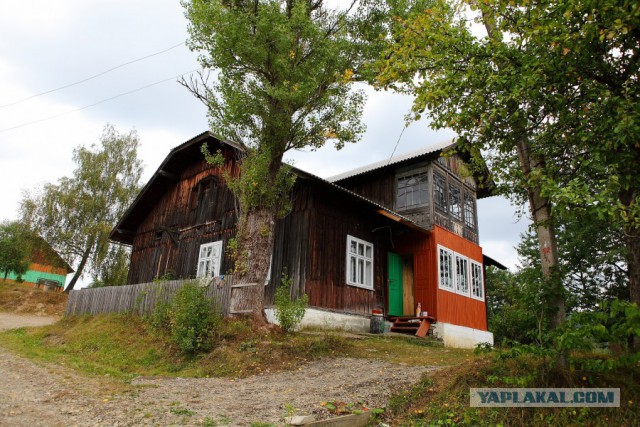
[{"x": 418, "y": 326}]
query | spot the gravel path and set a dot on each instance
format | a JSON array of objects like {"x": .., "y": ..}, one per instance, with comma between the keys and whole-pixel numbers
[
  {"x": 11, "y": 320},
  {"x": 35, "y": 395}
]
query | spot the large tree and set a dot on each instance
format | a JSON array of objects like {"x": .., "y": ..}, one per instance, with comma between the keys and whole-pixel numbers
[
  {"x": 15, "y": 249},
  {"x": 76, "y": 215},
  {"x": 546, "y": 90},
  {"x": 283, "y": 73}
]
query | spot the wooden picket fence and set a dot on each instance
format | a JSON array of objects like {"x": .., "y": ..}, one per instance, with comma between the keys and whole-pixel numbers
[{"x": 142, "y": 299}]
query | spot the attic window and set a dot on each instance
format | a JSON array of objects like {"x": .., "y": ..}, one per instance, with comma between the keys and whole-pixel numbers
[
  {"x": 203, "y": 192},
  {"x": 412, "y": 191}
]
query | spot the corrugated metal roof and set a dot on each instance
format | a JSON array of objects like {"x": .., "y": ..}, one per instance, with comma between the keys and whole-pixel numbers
[{"x": 397, "y": 159}]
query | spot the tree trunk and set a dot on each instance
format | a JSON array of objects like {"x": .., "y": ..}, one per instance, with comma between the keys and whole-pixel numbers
[
  {"x": 255, "y": 240},
  {"x": 632, "y": 242},
  {"x": 540, "y": 205},
  {"x": 541, "y": 215},
  {"x": 78, "y": 273}
]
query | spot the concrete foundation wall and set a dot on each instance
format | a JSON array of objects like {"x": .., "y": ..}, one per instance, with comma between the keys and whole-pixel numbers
[
  {"x": 461, "y": 336},
  {"x": 319, "y": 318}
]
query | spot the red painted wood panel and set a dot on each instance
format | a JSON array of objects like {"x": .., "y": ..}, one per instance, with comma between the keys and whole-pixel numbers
[
  {"x": 451, "y": 307},
  {"x": 48, "y": 269},
  {"x": 418, "y": 245}
]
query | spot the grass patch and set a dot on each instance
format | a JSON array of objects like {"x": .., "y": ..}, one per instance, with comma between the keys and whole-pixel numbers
[
  {"x": 409, "y": 350},
  {"x": 443, "y": 398}
]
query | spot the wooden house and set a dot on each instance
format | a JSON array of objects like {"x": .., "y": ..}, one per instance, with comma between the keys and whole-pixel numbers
[
  {"x": 47, "y": 269},
  {"x": 387, "y": 236}
]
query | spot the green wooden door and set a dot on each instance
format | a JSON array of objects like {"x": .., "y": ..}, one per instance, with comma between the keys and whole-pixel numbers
[{"x": 395, "y": 284}]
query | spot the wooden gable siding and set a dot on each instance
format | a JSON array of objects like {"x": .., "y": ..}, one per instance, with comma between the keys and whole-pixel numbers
[
  {"x": 168, "y": 239},
  {"x": 377, "y": 186},
  {"x": 454, "y": 308}
]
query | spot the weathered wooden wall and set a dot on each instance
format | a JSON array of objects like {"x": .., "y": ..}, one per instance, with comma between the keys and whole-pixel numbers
[
  {"x": 378, "y": 186},
  {"x": 140, "y": 299},
  {"x": 186, "y": 216},
  {"x": 333, "y": 217}
]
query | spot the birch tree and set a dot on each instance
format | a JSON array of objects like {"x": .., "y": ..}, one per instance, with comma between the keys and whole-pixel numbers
[{"x": 77, "y": 214}]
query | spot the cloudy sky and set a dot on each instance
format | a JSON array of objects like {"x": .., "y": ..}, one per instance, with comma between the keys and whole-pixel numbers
[{"x": 47, "y": 45}]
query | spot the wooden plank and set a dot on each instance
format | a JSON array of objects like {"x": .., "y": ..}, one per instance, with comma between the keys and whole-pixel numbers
[{"x": 424, "y": 328}]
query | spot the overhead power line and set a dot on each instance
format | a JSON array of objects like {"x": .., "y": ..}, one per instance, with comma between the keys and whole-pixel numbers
[
  {"x": 92, "y": 77},
  {"x": 95, "y": 103},
  {"x": 397, "y": 143}
]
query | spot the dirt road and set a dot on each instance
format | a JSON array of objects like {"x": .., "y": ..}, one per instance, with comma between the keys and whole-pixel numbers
[
  {"x": 48, "y": 395},
  {"x": 11, "y": 320}
]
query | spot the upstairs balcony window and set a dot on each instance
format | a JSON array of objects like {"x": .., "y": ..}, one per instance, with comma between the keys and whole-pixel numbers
[
  {"x": 440, "y": 192},
  {"x": 455, "y": 202},
  {"x": 412, "y": 191}
]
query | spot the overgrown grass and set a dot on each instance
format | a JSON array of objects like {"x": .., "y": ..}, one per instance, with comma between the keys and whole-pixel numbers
[{"x": 443, "y": 399}]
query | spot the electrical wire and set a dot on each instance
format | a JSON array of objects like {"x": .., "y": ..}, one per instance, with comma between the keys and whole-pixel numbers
[
  {"x": 95, "y": 103},
  {"x": 397, "y": 143},
  {"x": 92, "y": 77}
]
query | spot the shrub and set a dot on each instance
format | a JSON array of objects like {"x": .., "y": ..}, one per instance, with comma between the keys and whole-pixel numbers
[
  {"x": 289, "y": 312},
  {"x": 191, "y": 319}
]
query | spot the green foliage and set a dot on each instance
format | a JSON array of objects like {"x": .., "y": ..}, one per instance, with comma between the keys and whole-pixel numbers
[
  {"x": 191, "y": 319},
  {"x": 444, "y": 399},
  {"x": 548, "y": 94},
  {"x": 77, "y": 214},
  {"x": 289, "y": 311},
  {"x": 612, "y": 327},
  {"x": 114, "y": 270},
  {"x": 15, "y": 248},
  {"x": 515, "y": 306}
]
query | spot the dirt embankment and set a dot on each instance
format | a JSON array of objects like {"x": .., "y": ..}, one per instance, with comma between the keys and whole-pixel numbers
[{"x": 18, "y": 298}]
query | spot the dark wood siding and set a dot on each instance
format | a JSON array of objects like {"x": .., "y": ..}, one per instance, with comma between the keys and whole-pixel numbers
[
  {"x": 168, "y": 239},
  {"x": 378, "y": 186},
  {"x": 311, "y": 244}
]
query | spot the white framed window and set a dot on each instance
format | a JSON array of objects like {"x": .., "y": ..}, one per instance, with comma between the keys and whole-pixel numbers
[
  {"x": 209, "y": 259},
  {"x": 477, "y": 282},
  {"x": 462, "y": 275},
  {"x": 459, "y": 274},
  {"x": 445, "y": 268},
  {"x": 359, "y": 263}
]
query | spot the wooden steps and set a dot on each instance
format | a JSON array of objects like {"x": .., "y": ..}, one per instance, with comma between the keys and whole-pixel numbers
[{"x": 418, "y": 326}]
